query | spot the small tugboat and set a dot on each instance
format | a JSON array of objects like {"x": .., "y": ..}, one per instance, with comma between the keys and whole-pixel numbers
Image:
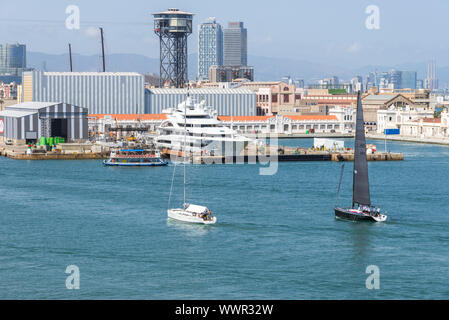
[
  {"x": 362, "y": 209},
  {"x": 135, "y": 158}
]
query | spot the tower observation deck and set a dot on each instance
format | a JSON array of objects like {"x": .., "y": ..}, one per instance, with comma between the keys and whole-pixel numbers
[{"x": 173, "y": 27}]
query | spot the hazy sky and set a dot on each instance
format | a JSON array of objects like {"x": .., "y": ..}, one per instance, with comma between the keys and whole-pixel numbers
[{"x": 327, "y": 32}]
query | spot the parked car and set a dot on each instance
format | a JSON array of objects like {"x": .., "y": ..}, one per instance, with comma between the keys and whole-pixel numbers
[{"x": 8, "y": 142}]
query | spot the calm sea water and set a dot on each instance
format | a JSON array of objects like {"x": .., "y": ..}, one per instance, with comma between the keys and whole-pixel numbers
[{"x": 276, "y": 236}]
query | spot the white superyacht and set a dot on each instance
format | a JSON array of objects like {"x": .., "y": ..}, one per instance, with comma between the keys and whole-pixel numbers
[{"x": 204, "y": 134}]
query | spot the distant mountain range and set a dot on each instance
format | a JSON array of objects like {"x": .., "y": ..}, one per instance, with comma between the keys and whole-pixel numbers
[{"x": 265, "y": 68}]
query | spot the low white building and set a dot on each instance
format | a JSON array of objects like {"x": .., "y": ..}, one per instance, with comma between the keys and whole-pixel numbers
[
  {"x": 100, "y": 123},
  {"x": 346, "y": 115},
  {"x": 300, "y": 124},
  {"x": 396, "y": 118},
  {"x": 423, "y": 128}
]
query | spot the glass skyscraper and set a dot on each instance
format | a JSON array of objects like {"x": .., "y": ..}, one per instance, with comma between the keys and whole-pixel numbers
[
  {"x": 235, "y": 45},
  {"x": 408, "y": 80},
  {"x": 12, "y": 62},
  {"x": 210, "y": 47}
]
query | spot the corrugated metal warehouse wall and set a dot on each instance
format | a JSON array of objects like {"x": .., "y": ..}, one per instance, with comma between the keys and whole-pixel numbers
[
  {"x": 33, "y": 120},
  {"x": 99, "y": 92},
  {"x": 237, "y": 102}
]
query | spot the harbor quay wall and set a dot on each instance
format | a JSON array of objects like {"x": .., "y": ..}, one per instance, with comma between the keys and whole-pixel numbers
[
  {"x": 338, "y": 157},
  {"x": 428, "y": 140}
]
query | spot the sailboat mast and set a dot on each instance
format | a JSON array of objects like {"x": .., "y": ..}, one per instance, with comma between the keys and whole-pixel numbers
[{"x": 185, "y": 139}]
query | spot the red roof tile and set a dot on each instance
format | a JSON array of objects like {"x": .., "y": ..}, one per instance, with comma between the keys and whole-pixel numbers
[{"x": 121, "y": 117}]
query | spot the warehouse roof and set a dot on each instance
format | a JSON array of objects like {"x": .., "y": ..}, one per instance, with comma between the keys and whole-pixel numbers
[
  {"x": 32, "y": 105},
  {"x": 380, "y": 97},
  {"x": 89, "y": 73},
  {"x": 195, "y": 91},
  {"x": 15, "y": 113}
]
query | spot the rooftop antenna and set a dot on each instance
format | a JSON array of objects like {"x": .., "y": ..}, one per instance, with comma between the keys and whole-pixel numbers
[
  {"x": 102, "y": 49},
  {"x": 70, "y": 57}
]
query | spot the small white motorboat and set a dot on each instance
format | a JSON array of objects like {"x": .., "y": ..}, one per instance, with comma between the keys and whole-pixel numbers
[{"x": 192, "y": 214}]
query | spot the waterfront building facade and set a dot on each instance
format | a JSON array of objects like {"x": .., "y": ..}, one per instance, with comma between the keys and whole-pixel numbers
[
  {"x": 346, "y": 115},
  {"x": 372, "y": 103},
  {"x": 210, "y": 47},
  {"x": 226, "y": 101},
  {"x": 424, "y": 128},
  {"x": 235, "y": 45},
  {"x": 394, "y": 118},
  {"x": 99, "y": 92},
  {"x": 293, "y": 124},
  {"x": 124, "y": 124},
  {"x": 242, "y": 124}
]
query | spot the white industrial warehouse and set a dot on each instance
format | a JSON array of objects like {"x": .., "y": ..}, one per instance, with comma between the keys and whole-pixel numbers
[
  {"x": 226, "y": 101},
  {"x": 99, "y": 92}
]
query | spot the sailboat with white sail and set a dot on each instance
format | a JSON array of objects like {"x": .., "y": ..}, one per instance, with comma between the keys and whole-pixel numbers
[
  {"x": 190, "y": 213},
  {"x": 361, "y": 209}
]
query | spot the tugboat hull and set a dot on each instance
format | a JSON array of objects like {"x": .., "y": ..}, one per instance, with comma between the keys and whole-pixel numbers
[{"x": 355, "y": 215}]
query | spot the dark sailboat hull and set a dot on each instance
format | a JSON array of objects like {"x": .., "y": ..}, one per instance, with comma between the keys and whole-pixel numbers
[{"x": 351, "y": 216}]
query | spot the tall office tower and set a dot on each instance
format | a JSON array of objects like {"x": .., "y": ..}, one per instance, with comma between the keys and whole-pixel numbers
[
  {"x": 371, "y": 81},
  {"x": 395, "y": 79},
  {"x": 12, "y": 62},
  {"x": 384, "y": 80},
  {"x": 235, "y": 48},
  {"x": 173, "y": 27},
  {"x": 431, "y": 78},
  {"x": 408, "y": 80},
  {"x": 357, "y": 84},
  {"x": 210, "y": 47}
]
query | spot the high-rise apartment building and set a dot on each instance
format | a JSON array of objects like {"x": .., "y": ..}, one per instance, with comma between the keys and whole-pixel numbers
[
  {"x": 12, "y": 62},
  {"x": 235, "y": 45},
  {"x": 210, "y": 47}
]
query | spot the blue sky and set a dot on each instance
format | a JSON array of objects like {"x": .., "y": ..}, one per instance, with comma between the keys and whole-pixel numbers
[{"x": 327, "y": 32}]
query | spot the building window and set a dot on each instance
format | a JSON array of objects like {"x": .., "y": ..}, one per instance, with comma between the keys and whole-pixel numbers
[
  {"x": 286, "y": 98},
  {"x": 274, "y": 98}
]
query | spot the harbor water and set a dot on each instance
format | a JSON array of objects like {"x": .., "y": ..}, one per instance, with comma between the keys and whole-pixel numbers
[{"x": 276, "y": 236}]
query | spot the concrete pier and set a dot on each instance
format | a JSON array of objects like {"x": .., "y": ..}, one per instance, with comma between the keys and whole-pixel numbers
[
  {"x": 377, "y": 156},
  {"x": 19, "y": 153},
  {"x": 284, "y": 153}
]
